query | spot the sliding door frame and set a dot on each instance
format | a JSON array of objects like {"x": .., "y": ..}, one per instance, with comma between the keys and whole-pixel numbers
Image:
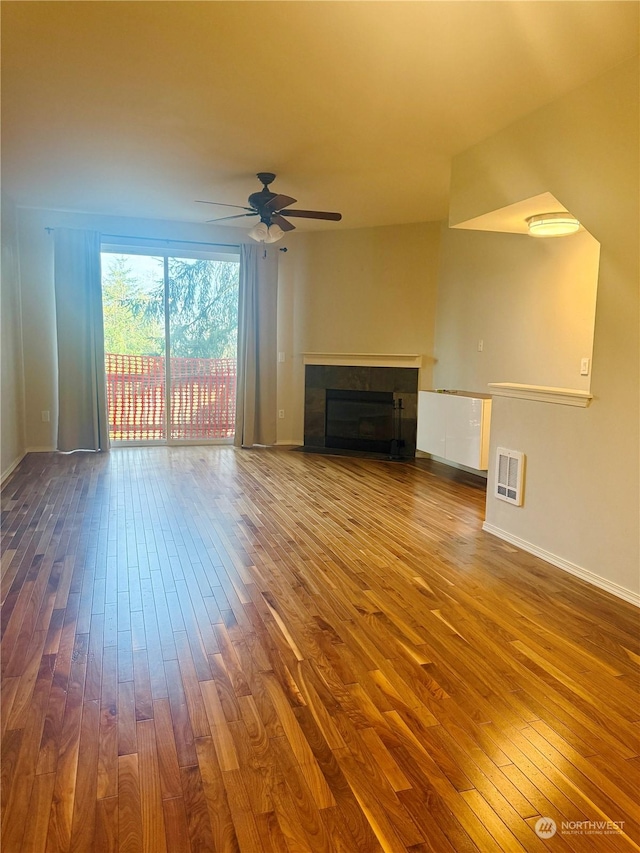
[{"x": 113, "y": 245}]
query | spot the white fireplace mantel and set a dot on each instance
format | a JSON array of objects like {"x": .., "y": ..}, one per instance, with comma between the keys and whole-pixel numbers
[{"x": 364, "y": 359}]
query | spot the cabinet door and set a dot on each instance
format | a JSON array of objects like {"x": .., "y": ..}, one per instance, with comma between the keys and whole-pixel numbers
[
  {"x": 432, "y": 423},
  {"x": 463, "y": 436}
]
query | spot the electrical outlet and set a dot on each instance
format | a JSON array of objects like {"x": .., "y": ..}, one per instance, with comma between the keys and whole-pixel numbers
[
  {"x": 46, "y": 416},
  {"x": 480, "y": 345},
  {"x": 281, "y": 356},
  {"x": 281, "y": 413}
]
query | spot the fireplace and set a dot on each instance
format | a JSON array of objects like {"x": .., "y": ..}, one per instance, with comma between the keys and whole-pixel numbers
[
  {"x": 361, "y": 408},
  {"x": 359, "y": 420}
]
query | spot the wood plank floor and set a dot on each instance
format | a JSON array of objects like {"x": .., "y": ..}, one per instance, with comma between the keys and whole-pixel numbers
[{"x": 207, "y": 649}]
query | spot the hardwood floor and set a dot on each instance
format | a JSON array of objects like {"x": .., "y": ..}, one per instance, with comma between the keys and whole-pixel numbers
[{"x": 207, "y": 649}]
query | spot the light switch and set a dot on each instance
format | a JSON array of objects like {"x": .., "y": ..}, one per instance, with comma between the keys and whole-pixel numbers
[
  {"x": 585, "y": 365},
  {"x": 280, "y": 356}
]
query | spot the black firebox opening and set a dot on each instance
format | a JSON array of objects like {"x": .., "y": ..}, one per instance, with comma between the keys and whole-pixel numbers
[{"x": 359, "y": 420}]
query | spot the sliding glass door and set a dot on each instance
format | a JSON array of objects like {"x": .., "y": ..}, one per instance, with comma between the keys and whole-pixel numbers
[
  {"x": 170, "y": 324},
  {"x": 202, "y": 334}
]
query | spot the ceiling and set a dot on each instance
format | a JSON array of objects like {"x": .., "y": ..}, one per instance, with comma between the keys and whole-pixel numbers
[{"x": 139, "y": 108}]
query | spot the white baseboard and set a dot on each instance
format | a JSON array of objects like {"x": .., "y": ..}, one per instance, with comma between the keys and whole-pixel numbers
[
  {"x": 596, "y": 580},
  {"x": 40, "y": 450},
  {"x": 288, "y": 443},
  {"x": 12, "y": 467}
]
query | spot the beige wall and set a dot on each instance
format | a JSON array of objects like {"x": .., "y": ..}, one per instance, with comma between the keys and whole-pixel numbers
[
  {"x": 12, "y": 438},
  {"x": 581, "y": 495},
  {"x": 531, "y": 302},
  {"x": 368, "y": 290}
]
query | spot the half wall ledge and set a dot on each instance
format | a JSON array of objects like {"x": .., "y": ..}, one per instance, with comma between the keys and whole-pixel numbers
[
  {"x": 542, "y": 393},
  {"x": 364, "y": 359}
]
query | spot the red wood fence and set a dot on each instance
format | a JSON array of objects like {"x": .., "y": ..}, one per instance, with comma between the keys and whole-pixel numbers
[{"x": 203, "y": 397}]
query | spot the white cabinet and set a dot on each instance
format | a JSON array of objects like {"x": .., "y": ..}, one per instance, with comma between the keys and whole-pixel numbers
[{"x": 454, "y": 425}]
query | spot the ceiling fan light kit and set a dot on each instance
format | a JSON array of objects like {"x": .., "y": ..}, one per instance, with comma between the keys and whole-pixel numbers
[
  {"x": 270, "y": 207},
  {"x": 264, "y": 233},
  {"x": 552, "y": 225}
]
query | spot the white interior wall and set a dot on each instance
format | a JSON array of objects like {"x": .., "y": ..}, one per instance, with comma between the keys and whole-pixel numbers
[
  {"x": 365, "y": 290},
  {"x": 581, "y": 507},
  {"x": 531, "y": 302},
  {"x": 12, "y": 437}
]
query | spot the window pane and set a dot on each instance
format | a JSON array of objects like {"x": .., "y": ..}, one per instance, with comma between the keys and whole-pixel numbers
[
  {"x": 133, "y": 306},
  {"x": 203, "y": 329}
]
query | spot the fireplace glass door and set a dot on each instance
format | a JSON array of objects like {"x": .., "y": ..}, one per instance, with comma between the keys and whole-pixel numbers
[{"x": 359, "y": 420}]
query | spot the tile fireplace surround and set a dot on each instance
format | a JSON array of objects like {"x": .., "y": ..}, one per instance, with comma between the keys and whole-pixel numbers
[{"x": 402, "y": 382}]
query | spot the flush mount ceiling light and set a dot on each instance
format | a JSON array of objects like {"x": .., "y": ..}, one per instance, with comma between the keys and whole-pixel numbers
[{"x": 552, "y": 225}]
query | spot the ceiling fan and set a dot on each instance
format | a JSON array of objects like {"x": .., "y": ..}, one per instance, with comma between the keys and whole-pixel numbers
[{"x": 270, "y": 207}]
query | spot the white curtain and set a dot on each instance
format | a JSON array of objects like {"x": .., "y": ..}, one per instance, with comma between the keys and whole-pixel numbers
[
  {"x": 257, "y": 357},
  {"x": 82, "y": 400}
]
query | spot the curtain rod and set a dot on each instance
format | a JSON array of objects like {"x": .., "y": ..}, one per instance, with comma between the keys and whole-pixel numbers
[{"x": 164, "y": 240}]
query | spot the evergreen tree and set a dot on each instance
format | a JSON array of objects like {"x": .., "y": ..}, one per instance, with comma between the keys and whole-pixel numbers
[
  {"x": 124, "y": 333},
  {"x": 203, "y": 307}
]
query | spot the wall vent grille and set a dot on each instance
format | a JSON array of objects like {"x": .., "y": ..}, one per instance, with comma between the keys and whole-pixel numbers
[{"x": 509, "y": 471}]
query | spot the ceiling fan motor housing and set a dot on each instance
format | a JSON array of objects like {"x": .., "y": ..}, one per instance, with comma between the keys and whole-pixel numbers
[
  {"x": 258, "y": 200},
  {"x": 270, "y": 207}
]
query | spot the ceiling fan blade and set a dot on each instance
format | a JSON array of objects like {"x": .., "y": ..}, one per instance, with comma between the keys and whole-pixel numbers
[
  {"x": 279, "y": 201},
  {"x": 315, "y": 214},
  {"x": 282, "y": 222},
  {"x": 222, "y": 204},
  {"x": 236, "y": 216}
]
